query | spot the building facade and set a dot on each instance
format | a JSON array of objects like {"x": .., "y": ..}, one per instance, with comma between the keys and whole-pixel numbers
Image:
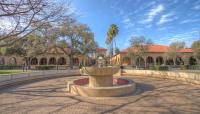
[
  {"x": 155, "y": 55},
  {"x": 54, "y": 57}
]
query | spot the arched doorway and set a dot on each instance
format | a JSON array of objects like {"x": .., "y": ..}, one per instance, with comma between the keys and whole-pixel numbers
[
  {"x": 34, "y": 61},
  {"x": 170, "y": 61},
  {"x": 150, "y": 60},
  {"x": 126, "y": 60},
  {"x": 75, "y": 61},
  {"x": 192, "y": 61},
  {"x": 61, "y": 61},
  {"x": 140, "y": 62},
  {"x": 159, "y": 60},
  {"x": 179, "y": 61},
  {"x": 2, "y": 62},
  {"x": 13, "y": 61},
  {"x": 52, "y": 61},
  {"x": 43, "y": 61}
]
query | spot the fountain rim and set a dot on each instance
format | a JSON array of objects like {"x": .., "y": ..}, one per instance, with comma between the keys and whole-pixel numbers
[
  {"x": 92, "y": 71},
  {"x": 130, "y": 82}
]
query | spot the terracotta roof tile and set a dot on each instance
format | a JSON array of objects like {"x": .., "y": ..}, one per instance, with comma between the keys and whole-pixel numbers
[
  {"x": 186, "y": 50},
  {"x": 100, "y": 49},
  {"x": 157, "y": 49},
  {"x": 160, "y": 49}
]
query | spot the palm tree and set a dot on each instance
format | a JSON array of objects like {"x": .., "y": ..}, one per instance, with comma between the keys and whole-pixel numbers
[{"x": 111, "y": 34}]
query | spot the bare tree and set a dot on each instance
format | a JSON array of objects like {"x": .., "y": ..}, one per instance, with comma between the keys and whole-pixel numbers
[
  {"x": 138, "y": 47},
  {"x": 20, "y": 18},
  {"x": 174, "y": 49}
]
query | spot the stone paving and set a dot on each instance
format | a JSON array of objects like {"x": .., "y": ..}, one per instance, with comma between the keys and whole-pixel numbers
[{"x": 153, "y": 96}]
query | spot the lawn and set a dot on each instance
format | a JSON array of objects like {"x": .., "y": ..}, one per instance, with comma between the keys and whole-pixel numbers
[{"x": 7, "y": 72}]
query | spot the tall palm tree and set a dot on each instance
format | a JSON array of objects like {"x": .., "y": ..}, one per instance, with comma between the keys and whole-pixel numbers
[{"x": 111, "y": 34}]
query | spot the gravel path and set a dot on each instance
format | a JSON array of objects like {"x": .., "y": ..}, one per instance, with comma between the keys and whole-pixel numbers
[{"x": 153, "y": 95}]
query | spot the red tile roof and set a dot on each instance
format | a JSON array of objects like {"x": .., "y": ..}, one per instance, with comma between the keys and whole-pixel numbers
[
  {"x": 186, "y": 50},
  {"x": 100, "y": 49},
  {"x": 160, "y": 49},
  {"x": 157, "y": 48}
]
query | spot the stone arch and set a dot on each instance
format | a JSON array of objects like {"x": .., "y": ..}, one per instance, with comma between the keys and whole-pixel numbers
[
  {"x": 192, "y": 61},
  {"x": 61, "y": 61},
  {"x": 126, "y": 60},
  {"x": 13, "y": 61},
  {"x": 76, "y": 61},
  {"x": 179, "y": 61},
  {"x": 140, "y": 62},
  {"x": 34, "y": 61},
  {"x": 150, "y": 60},
  {"x": 2, "y": 61},
  {"x": 159, "y": 60},
  {"x": 52, "y": 61},
  {"x": 170, "y": 61},
  {"x": 43, "y": 61}
]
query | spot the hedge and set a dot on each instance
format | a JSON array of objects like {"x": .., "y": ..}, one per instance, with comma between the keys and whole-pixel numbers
[
  {"x": 158, "y": 67},
  {"x": 184, "y": 67},
  {"x": 5, "y": 67},
  {"x": 44, "y": 67}
]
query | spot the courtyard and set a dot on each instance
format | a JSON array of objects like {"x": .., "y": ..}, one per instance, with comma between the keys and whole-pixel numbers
[
  {"x": 99, "y": 57},
  {"x": 153, "y": 95}
]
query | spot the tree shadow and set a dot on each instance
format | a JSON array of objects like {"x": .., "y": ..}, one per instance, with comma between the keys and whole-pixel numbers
[{"x": 140, "y": 88}]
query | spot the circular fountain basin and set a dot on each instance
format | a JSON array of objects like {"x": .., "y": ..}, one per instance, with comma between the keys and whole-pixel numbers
[
  {"x": 121, "y": 86},
  {"x": 100, "y": 77}
]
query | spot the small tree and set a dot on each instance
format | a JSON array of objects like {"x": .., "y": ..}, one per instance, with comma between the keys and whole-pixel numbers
[
  {"x": 174, "y": 47},
  {"x": 138, "y": 47},
  {"x": 196, "y": 49}
]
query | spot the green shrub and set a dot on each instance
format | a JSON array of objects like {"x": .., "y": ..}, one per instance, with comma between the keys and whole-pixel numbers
[
  {"x": 5, "y": 67},
  {"x": 152, "y": 67},
  {"x": 184, "y": 67},
  {"x": 158, "y": 67},
  {"x": 44, "y": 67},
  {"x": 163, "y": 68},
  {"x": 194, "y": 67}
]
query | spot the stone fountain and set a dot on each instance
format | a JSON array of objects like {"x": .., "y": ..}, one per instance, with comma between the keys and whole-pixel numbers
[{"x": 101, "y": 83}]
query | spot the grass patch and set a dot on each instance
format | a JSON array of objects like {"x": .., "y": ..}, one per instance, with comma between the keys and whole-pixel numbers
[{"x": 8, "y": 72}]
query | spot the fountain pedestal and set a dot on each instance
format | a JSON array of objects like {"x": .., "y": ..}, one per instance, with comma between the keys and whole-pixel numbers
[
  {"x": 100, "y": 77},
  {"x": 100, "y": 81}
]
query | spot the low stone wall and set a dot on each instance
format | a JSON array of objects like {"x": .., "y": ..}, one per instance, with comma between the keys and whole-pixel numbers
[
  {"x": 193, "y": 78},
  {"x": 6, "y": 80}
]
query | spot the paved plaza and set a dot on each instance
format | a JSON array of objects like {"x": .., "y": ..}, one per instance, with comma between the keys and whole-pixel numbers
[{"x": 153, "y": 95}]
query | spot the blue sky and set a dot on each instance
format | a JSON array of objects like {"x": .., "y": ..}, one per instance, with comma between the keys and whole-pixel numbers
[{"x": 163, "y": 21}]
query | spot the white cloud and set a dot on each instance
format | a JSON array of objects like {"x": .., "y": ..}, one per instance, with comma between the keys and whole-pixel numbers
[
  {"x": 189, "y": 21},
  {"x": 152, "y": 13},
  {"x": 187, "y": 37},
  {"x": 196, "y": 7},
  {"x": 166, "y": 18},
  {"x": 6, "y": 25},
  {"x": 126, "y": 20},
  {"x": 128, "y": 23}
]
